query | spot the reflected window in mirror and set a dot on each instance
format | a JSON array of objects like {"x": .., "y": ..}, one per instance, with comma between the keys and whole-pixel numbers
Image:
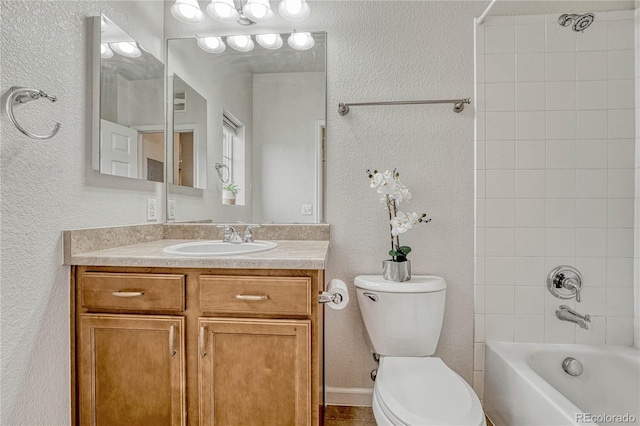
[{"x": 233, "y": 161}]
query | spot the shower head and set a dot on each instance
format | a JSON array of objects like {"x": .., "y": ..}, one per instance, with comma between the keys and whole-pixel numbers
[{"x": 580, "y": 22}]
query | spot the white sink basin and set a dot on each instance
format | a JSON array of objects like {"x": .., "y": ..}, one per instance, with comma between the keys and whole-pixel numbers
[{"x": 217, "y": 248}]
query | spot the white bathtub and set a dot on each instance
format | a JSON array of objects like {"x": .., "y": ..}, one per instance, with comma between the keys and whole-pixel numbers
[{"x": 525, "y": 384}]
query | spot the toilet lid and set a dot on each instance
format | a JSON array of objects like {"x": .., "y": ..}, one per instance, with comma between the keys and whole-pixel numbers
[{"x": 424, "y": 391}]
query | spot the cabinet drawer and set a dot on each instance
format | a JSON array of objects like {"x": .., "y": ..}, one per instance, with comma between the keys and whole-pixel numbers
[
  {"x": 140, "y": 292},
  {"x": 256, "y": 295}
]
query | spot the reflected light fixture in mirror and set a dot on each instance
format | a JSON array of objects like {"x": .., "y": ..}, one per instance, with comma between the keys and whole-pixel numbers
[
  {"x": 301, "y": 41},
  {"x": 127, "y": 49},
  {"x": 105, "y": 51},
  {"x": 245, "y": 12},
  {"x": 269, "y": 41},
  {"x": 241, "y": 43},
  {"x": 187, "y": 11},
  {"x": 211, "y": 44}
]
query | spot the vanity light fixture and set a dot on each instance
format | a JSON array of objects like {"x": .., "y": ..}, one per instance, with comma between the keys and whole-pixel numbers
[
  {"x": 301, "y": 41},
  {"x": 258, "y": 10},
  {"x": 269, "y": 41},
  {"x": 127, "y": 49},
  {"x": 241, "y": 43},
  {"x": 105, "y": 51},
  {"x": 223, "y": 10},
  {"x": 294, "y": 10},
  {"x": 211, "y": 44},
  {"x": 187, "y": 11}
]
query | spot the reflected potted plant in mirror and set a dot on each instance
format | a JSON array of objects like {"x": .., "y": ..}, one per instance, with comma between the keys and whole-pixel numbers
[
  {"x": 229, "y": 192},
  {"x": 398, "y": 268}
]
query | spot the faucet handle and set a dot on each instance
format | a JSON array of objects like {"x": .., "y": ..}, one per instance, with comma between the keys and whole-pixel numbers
[
  {"x": 565, "y": 282},
  {"x": 248, "y": 233}
]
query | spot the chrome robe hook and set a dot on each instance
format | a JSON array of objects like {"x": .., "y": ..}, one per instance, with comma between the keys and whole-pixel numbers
[{"x": 22, "y": 95}]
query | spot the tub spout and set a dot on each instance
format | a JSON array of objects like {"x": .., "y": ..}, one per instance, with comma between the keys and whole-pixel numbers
[{"x": 565, "y": 313}]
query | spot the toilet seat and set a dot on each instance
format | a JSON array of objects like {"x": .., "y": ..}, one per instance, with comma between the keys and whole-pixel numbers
[{"x": 424, "y": 391}]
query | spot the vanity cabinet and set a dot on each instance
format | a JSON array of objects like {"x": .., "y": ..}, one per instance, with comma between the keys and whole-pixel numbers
[{"x": 170, "y": 346}]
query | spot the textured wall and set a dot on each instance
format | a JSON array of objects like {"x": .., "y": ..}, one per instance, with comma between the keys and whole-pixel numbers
[
  {"x": 636, "y": 280},
  {"x": 48, "y": 186}
]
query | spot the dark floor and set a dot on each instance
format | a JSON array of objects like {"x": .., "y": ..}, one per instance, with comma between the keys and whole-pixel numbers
[{"x": 340, "y": 415}]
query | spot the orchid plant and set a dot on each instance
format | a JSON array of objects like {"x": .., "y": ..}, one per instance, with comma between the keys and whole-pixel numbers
[{"x": 388, "y": 184}]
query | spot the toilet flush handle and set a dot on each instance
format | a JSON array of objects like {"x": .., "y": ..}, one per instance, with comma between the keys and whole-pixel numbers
[{"x": 371, "y": 296}]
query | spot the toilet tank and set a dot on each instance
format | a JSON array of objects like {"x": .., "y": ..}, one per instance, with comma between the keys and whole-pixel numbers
[{"x": 402, "y": 318}]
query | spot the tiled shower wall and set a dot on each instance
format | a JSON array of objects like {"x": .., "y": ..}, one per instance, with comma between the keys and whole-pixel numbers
[
  {"x": 555, "y": 163},
  {"x": 636, "y": 279}
]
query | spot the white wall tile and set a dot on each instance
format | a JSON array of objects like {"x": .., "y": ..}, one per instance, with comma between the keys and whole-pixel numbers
[
  {"x": 621, "y": 64},
  {"x": 561, "y": 125},
  {"x": 591, "y": 94},
  {"x": 478, "y": 356},
  {"x": 499, "y": 39},
  {"x": 619, "y": 15},
  {"x": 480, "y": 271},
  {"x": 591, "y": 66},
  {"x": 530, "y": 96},
  {"x": 530, "y": 154},
  {"x": 619, "y": 301},
  {"x": 531, "y": 213},
  {"x": 591, "y": 213},
  {"x": 500, "y": 68},
  {"x": 480, "y": 241},
  {"x": 593, "y": 270},
  {"x": 529, "y": 19},
  {"x": 591, "y": 242},
  {"x": 500, "y": 155},
  {"x": 480, "y": 154},
  {"x": 619, "y": 272},
  {"x": 531, "y": 67},
  {"x": 621, "y": 183},
  {"x": 530, "y": 242},
  {"x": 529, "y": 300},
  {"x": 592, "y": 154},
  {"x": 556, "y": 331},
  {"x": 561, "y": 213},
  {"x": 620, "y": 331},
  {"x": 594, "y": 39},
  {"x": 529, "y": 328},
  {"x": 530, "y": 38},
  {"x": 621, "y": 153},
  {"x": 621, "y": 123},
  {"x": 561, "y": 183},
  {"x": 561, "y": 154},
  {"x": 500, "y": 96},
  {"x": 530, "y": 183},
  {"x": 478, "y": 332},
  {"x": 499, "y": 327},
  {"x": 562, "y": 66},
  {"x": 530, "y": 271},
  {"x": 561, "y": 242},
  {"x": 481, "y": 125},
  {"x": 480, "y": 184},
  {"x": 499, "y": 20},
  {"x": 592, "y": 183},
  {"x": 479, "y": 39},
  {"x": 500, "y": 212},
  {"x": 560, "y": 39},
  {"x": 594, "y": 300},
  {"x": 481, "y": 75},
  {"x": 621, "y": 35},
  {"x": 592, "y": 124},
  {"x": 499, "y": 242},
  {"x": 499, "y": 299},
  {"x": 480, "y": 213},
  {"x": 596, "y": 335},
  {"x": 500, "y": 183},
  {"x": 530, "y": 125},
  {"x": 499, "y": 271},
  {"x": 621, "y": 94},
  {"x": 551, "y": 302},
  {"x": 561, "y": 95},
  {"x": 619, "y": 242},
  {"x": 620, "y": 212},
  {"x": 500, "y": 125},
  {"x": 479, "y": 300}
]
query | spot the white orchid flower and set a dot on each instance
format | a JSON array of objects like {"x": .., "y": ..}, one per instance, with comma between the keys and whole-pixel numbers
[
  {"x": 400, "y": 224},
  {"x": 376, "y": 180},
  {"x": 388, "y": 184}
]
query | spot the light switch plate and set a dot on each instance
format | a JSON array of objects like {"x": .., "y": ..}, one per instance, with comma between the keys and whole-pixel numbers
[
  {"x": 171, "y": 214},
  {"x": 152, "y": 209},
  {"x": 307, "y": 209}
]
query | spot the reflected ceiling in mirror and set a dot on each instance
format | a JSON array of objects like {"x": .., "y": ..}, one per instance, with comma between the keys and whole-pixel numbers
[
  {"x": 266, "y": 128},
  {"x": 128, "y": 120}
]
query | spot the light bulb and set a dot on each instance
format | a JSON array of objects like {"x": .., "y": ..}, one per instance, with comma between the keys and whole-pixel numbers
[
  {"x": 269, "y": 41},
  {"x": 222, "y": 10},
  {"x": 105, "y": 51},
  {"x": 211, "y": 44},
  {"x": 187, "y": 11},
  {"x": 241, "y": 43},
  {"x": 294, "y": 10},
  {"x": 258, "y": 10},
  {"x": 301, "y": 41},
  {"x": 128, "y": 49}
]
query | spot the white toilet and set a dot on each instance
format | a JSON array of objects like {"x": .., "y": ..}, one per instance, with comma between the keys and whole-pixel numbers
[{"x": 403, "y": 321}]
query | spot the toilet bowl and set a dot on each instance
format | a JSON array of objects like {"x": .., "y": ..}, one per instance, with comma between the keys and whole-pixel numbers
[{"x": 403, "y": 323}]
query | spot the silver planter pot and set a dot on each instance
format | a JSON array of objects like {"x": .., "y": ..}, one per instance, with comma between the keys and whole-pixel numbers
[{"x": 396, "y": 271}]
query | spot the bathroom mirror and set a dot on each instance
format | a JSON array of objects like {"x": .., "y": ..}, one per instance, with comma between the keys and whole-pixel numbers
[
  {"x": 265, "y": 129},
  {"x": 128, "y": 105}
]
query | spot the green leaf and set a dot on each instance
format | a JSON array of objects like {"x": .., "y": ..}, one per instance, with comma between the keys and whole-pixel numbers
[{"x": 404, "y": 250}]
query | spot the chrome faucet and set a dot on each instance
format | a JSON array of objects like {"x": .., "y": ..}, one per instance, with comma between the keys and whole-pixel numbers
[
  {"x": 248, "y": 233},
  {"x": 231, "y": 235},
  {"x": 565, "y": 313}
]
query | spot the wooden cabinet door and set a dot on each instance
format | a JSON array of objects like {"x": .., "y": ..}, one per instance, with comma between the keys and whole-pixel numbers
[
  {"x": 255, "y": 372},
  {"x": 131, "y": 370}
]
